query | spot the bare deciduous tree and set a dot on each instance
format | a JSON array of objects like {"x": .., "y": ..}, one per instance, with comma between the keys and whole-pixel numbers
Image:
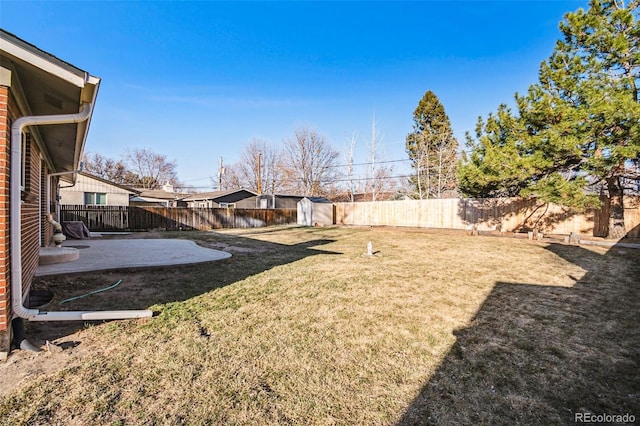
[
  {"x": 104, "y": 167},
  {"x": 352, "y": 184},
  {"x": 153, "y": 170},
  {"x": 227, "y": 178},
  {"x": 380, "y": 182},
  {"x": 258, "y": 154},
  {"x": 309, "y": 163},
  {"x": 231, "y": 178}
]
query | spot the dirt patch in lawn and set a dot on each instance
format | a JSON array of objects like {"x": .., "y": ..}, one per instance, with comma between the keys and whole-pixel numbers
[
  {"x": 63, "y": 343},
  {"x": 24, "y": 367}
]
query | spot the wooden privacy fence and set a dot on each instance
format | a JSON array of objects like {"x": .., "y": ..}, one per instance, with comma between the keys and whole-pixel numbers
[
  {"x": 131, "y": 218},
  {"x": 504, "y": 214}
]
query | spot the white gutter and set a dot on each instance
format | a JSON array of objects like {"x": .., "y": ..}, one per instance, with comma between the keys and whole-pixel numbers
[{"x": 16, "y": 242}]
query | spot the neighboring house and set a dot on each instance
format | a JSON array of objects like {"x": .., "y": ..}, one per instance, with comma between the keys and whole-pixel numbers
[
  {"x": 90, "y": 190},
  {"x": 164, "y": 197},
  {"x": 237, "y": 198},
  {"x": 46, "y": 106},
  {"x": 278, "y": 201}
]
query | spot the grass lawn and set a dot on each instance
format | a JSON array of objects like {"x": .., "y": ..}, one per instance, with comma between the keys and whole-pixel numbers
[{"x": 301, "y": 327}]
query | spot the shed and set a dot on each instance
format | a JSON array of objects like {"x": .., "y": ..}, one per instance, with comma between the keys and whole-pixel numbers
[{"x": 314, "y": 211}]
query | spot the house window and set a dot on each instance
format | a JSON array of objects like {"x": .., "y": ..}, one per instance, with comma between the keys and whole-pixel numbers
[
  {"x": 23, "y": 166},
  {"x": 228, "y": 205},
  {"x": 25, "y": 169},
  {"x": 95, "y": 198}
]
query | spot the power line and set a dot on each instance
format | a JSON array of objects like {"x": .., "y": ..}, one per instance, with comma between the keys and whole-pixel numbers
[
  {"x": 335, "y": 166},
  {"x": 358, "y": 179},
  {"x": 197, "y": 179},
  {"x": 329, "y": 180},
  {"x": 370, "y": 163}
]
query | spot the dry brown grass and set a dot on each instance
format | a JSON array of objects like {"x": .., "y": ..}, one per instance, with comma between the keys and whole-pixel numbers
[{"x": 301, "y": 327}]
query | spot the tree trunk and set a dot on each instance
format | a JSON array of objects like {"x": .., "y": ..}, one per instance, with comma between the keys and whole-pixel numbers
[{"x": 616, "y": 209}]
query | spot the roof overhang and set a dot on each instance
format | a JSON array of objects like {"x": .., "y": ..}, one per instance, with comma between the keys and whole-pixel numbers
[
  {"x": 128, "y": 189},
  {"x": 42, "y": 84},
  {"x": 212, "y": 196}
]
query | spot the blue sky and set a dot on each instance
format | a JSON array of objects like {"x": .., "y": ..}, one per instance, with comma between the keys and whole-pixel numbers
[{"x": 199, "y": 80}]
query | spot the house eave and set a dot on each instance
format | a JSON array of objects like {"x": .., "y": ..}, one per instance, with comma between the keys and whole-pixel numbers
[
  {"x": 46, "y": 85},
  {"x": 38, "y": 58}
]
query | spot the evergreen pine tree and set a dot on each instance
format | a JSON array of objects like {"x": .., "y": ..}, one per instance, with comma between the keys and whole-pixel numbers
[
  {"x": 578, "y": 128},
  {"x": 432, "y": 149}
]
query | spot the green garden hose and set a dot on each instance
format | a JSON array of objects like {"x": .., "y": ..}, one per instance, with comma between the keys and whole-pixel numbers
[{"x": 91, "y": 292}]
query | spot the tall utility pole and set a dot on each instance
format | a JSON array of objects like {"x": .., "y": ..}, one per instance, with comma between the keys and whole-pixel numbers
[
  {"x": 351, "y": 183},
  {"x": 259, "y": 173},
  {"x": 373, "y": 158},
  {"x": 220, "y": 173}
]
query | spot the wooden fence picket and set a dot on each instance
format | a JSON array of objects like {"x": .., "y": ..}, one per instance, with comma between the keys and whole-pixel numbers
[{"x": 133, "y": 218}]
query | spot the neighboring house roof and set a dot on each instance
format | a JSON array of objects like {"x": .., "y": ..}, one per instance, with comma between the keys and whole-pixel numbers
[
  {"x": 159, "y": 194},
  {"x": 217, "y": 194},
  {"x": 282, "y": 196},
  {"x": 318, "y": 199},
  {"x": 138, "y": 199},
  {"x": 108, "y": 182},
  {"x": 46, "y": 85}
]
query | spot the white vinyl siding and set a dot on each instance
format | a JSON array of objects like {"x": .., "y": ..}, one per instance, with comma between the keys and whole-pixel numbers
[{"x": 115, "y": 196}]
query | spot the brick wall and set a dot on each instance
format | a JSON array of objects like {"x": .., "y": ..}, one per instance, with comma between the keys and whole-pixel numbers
[
  {"x": 47, "y": 229},
  {"x": 30, "y": 214},
  {"x": 5, "y": 154}
]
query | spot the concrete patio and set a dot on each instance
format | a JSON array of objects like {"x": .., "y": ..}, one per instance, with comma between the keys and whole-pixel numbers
[{"x": 99, "y": 255}]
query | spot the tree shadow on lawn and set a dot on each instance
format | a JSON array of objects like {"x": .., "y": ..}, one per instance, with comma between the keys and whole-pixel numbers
[
  {"x": 141, "y": 288},
  {"x": 537, "y": 354}
]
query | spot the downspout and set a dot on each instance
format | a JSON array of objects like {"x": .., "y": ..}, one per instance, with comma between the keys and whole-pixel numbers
[
  {"x": 48, "y": 179},
  {"x": 16, "y": 221}
]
